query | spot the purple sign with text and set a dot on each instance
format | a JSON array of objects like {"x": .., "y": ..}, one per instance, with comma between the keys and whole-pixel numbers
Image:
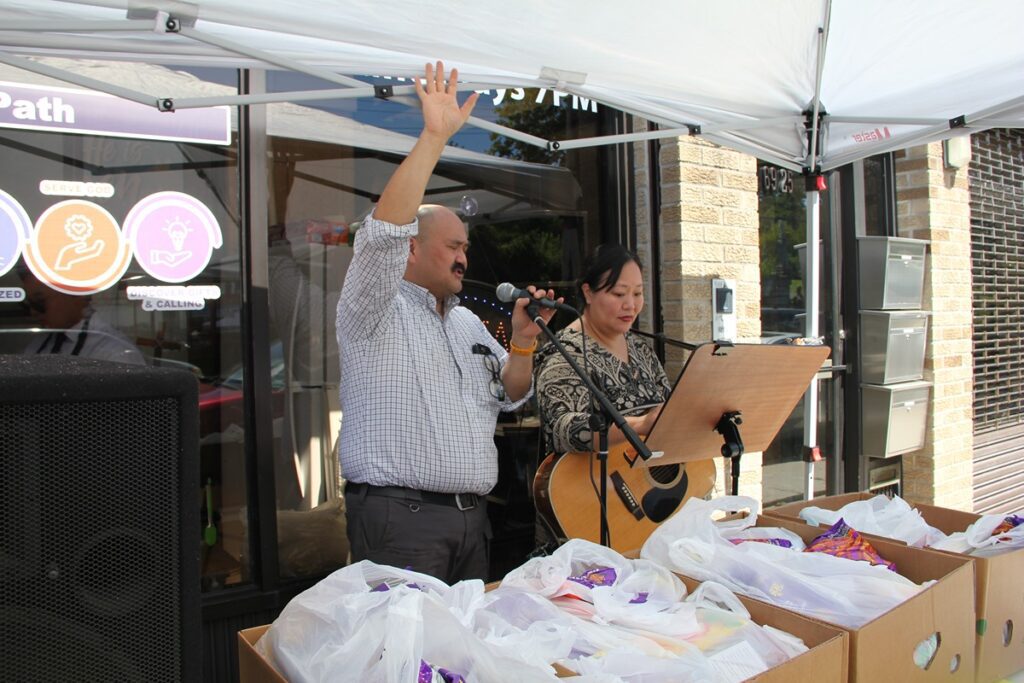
[{"x": 65, "y": 110}]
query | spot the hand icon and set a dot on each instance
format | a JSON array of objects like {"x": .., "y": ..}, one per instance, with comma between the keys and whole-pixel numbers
[
  {"x": 169, "y": 257},
  {"x": 76, "y": 252}
]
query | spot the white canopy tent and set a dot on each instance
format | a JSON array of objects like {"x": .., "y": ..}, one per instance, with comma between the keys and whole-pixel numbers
[
  {"x": 804, "y": 84},
  {"x": 808, "y": 85}
]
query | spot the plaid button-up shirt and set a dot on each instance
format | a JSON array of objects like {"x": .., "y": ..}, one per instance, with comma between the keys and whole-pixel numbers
[{"x": 416, "y": 407}]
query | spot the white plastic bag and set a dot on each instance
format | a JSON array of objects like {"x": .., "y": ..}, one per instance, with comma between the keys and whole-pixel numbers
[
  {"x": 837, "y": 590},
  {"x": 333, "y": 624},
  {"x": 525, "y": 624},
  {"x": 450, "y": 644},
  {"x": 738, "y": 653},
  {"x": 633, "y": 624},
  {"x": 635, "y": 593},
  {"x": 600, "y": 649},
  {"x": 377, "y": 623},
  {"x": 978, "y": 538},
  {"x": 879, "y": 515}
]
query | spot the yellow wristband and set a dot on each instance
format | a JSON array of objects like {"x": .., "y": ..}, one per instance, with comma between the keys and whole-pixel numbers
[{"x": 521, "y": 351}]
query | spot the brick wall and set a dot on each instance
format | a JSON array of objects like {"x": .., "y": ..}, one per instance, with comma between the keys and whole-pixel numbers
[
  {"x": 997, "y": 242},
  {"x": 709, "y": 229},
  {"x": 933, "y": 203}
]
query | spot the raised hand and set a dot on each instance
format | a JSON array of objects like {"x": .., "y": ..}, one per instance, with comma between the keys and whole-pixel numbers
[{"x": 442, "y": 115}]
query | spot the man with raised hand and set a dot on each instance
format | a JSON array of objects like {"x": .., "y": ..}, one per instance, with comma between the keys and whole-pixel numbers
[{"x": 422, "y": 380}]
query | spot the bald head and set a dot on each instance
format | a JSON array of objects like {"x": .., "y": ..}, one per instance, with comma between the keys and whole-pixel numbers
[
  {"x": 430, "y": 216},
  {"x": 437, "y": 255}
]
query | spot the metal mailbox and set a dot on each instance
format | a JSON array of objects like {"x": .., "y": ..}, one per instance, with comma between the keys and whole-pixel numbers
[
  {"x": 894, "y": 417},
  {"x": 891, "y": 272},
  {"x": 892, "y": 345}
]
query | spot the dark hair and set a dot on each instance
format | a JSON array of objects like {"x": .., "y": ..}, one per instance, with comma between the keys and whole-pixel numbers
[
  {"x": 22, "y": 269},
  {"x": 603, "y": 267}
]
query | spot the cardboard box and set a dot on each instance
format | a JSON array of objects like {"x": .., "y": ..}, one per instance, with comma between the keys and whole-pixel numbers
[
  {"x": 999, "y": 597},
  {"x": 882, "y": 649},
  {"x": 824, "y": 662},
  {"x": 252, "y": 667}
]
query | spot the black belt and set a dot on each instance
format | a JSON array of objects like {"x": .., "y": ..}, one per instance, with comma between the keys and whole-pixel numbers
[{"x": 462, "y": 501}]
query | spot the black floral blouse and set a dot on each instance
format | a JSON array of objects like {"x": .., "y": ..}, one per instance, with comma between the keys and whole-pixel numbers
[{"x": 564, "y": 400}]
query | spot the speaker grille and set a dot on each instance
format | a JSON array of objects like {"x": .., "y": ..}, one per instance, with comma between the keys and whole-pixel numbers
[{"x": 89, "y": 559}]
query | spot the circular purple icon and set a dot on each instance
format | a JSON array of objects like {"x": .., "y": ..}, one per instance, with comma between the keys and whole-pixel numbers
[
  {"x": 173, "y": 235},
  {"x": 15, "y": 231}
]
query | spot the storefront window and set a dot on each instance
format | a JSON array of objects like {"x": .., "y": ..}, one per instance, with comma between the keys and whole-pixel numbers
[
  {"x": 131, "y": 247},
  {"x": 529, "y": 222},
  {"x": 879, "y": 197},
  {"x": 783, "y": 232}
]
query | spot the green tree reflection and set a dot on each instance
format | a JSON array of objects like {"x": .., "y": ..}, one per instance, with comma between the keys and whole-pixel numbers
[{"x": 542, "y": 120}]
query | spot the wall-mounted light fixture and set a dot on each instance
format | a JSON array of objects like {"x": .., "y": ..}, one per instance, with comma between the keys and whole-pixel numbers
[{"x": 956, "y": 152}]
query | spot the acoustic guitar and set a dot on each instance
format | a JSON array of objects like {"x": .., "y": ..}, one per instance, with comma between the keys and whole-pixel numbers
[{"x": 640, "y": 498}]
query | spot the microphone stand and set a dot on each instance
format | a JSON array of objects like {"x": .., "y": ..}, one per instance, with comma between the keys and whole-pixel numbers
[{"x": 598, "y": 421}]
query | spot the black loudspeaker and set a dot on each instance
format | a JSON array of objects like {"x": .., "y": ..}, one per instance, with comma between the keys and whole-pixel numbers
[{"x": 100, "y": 532}]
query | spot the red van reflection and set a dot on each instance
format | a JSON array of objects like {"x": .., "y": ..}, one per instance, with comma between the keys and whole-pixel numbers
[{"x": 221, "y": 409}]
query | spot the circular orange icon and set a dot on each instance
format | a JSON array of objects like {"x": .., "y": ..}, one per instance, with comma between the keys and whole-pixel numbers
[{"x": 77, "y": 247}]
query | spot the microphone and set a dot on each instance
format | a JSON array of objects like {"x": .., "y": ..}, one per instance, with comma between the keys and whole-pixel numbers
[{"x": 508, "y": 293}]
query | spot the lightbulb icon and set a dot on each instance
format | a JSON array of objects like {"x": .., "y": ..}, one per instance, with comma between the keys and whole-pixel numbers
[{"x": 177, "y": 230}]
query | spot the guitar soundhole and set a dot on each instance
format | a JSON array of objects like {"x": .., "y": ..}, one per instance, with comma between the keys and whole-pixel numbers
[
  {"x": 660, "y": 503},
  {"x": 664, "y": 474}
]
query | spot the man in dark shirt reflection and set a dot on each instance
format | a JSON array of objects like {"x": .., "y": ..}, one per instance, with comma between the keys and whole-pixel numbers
[{"x": 72, "y": 327}]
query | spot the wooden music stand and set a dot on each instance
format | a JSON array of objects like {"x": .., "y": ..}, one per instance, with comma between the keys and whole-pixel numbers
[{"x": 728, "y": 389}]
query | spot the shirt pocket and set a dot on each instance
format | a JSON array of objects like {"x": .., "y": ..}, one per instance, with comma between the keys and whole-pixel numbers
[{"x": 480, "y": 383}]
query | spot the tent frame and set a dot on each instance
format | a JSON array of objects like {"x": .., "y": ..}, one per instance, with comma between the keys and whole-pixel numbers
[
  {"x": 722, "y": 127},
  {"x": 727, "y": 132}
]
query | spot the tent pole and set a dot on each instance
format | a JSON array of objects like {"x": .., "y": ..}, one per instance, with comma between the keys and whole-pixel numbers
[
  {"x": 34, "y": 26},
  {"x": 812, "y": 293},
  {"x": 623, "y": 137},
  {"x": 812, "y": 296},
  {"x": 675, "y": 132},
  {"x": 813, "y": 164},
  {"x": 269, "y": 98},
  {"x": 941, "y": 131},
  {"x": 919, "y": 121},
  {"x": 508, "y": 132},
  {"x": 884, "y": 121}
]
